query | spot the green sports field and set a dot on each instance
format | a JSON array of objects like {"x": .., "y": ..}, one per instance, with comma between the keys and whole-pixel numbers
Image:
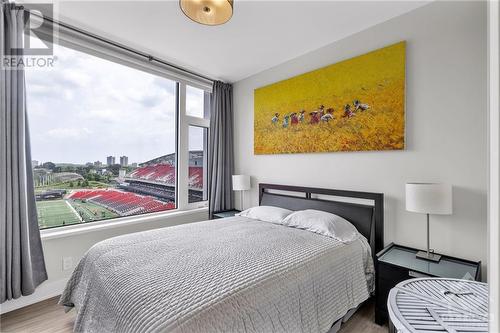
[
  {"x": 55, "y": 213},
  {"x": 91, "y": 212}
]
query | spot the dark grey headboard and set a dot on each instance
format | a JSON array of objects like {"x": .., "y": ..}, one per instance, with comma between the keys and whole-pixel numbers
[{"x": 367, "y": 218}]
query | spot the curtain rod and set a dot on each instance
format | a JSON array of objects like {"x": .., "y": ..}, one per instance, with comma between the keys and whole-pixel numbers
[{"x": 115, "y": 44}]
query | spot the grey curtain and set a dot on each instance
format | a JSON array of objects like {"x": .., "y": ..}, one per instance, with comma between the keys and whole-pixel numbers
[
  {"x": 22, "y": 264},
  {"x": 221, "y": 156}
]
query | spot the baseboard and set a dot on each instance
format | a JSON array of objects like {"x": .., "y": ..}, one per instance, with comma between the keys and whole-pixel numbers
[{"x": 44, "y": 291}]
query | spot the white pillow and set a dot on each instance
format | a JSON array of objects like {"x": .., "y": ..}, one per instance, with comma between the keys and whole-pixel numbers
[
  {"x": 323, "y": 223},
  {"x": 266, "y": 213}
]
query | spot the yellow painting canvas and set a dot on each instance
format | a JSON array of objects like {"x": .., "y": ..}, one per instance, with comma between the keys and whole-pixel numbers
[{"x": 357, "y": 104}]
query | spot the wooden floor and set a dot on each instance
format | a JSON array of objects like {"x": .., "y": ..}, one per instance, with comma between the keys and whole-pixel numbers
[{"x": 47, "y": 316}]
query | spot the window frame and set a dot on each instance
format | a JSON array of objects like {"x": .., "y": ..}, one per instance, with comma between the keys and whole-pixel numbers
[
  {"x": 204, "y": 164},
  {"x": 70, "y": 37},
  {"x": 183, "y": 173}
]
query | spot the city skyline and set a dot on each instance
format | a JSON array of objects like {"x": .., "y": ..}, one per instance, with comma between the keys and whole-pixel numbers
[{"x": 102, "y": 164}]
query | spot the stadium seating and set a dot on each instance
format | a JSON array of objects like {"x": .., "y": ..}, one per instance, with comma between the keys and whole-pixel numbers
[
  {"x": 122, "y": 203},
  {"x": 165, "y": 173},
  {"x": 147, "y": 189},
  {"x": 195, "y": 177},
  {"x": 163, "y": 192}
]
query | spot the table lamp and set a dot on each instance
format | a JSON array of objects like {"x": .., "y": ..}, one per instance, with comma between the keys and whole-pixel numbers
[
  {"x": 429, "y": 198},
  {"x": 241, "y": 183}
]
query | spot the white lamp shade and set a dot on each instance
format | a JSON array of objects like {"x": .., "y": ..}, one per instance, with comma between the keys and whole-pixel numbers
[
  {"x": 241, "y": 182},
  {"x": 429, "y": 198}
]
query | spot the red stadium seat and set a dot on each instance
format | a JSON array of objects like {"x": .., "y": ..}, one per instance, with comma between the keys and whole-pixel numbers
[{"x": 121, "y": 202}]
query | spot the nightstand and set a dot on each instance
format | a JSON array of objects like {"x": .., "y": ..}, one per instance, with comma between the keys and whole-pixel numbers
[
  {"x": 397, "y": 263},
  {"x": 226, "y": 213}
]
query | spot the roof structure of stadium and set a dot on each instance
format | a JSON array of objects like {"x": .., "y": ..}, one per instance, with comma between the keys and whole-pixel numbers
[
  {"x": 165, "y": 159},
  {"x": 195, "y": 159},
  {"x": 161, "y": 171}
]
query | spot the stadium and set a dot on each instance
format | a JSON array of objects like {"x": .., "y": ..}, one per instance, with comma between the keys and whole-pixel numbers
[{"x": 149, "y": 188}]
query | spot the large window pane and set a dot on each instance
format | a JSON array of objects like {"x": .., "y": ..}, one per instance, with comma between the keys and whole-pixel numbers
[
  {"x": 197, "y": 164},
  {"x": 197, "y": 102},
  {"x": 103, "y": 139}
]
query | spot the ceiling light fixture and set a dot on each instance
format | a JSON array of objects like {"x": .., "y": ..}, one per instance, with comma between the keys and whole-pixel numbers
[{"x": 208, "y": 12}]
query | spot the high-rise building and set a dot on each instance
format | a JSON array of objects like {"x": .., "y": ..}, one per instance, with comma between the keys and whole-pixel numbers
[
  {"x": 110, "y": 160},
  {"x": 98, "y": 164},
  {"x": 134, "y": 165},
  {"x": 124, "y": 161},
  {"x": 34, "y": 163}
]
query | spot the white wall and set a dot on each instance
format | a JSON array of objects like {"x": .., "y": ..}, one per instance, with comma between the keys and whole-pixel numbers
[
  {"x": 446, "y": 112},
  {"x": 76, "y": 245}
]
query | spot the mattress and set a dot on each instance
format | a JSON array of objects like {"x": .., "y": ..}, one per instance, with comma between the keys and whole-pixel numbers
[{"x": 226, "y": 275}]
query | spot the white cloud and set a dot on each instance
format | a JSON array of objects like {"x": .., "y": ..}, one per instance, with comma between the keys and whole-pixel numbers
[
  {"x": 76, "y": 78},
  {"x": 69, "y": 133},
  {"x": 103, "y": 114},
  {"x": 87, "y": 108}
]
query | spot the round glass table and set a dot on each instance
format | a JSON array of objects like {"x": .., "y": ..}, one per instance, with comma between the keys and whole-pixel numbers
[{"x": 438, "y": 305}]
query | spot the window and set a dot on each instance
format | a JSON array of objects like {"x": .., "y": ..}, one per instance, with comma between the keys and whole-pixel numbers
[
  {"x": 197, "y": 102},
  {"x": 198, "y": 137},
  {"x": 104, "y": 140},
  {"x": 197, "y": 124}
]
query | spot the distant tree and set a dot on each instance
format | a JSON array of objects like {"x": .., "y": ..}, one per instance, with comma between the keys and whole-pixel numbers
[
  {"x": 49, "y": 165},
  {"x": 87, "y": 169},
  {"x": 79, "y": 183},
  {"x": 114, "y": 169},
  {"x": 85, "y": 183},
  {"x": 57, "y": 169},
  {"x": 71, "y": 184},
  {"x": 81, "y": 170}
]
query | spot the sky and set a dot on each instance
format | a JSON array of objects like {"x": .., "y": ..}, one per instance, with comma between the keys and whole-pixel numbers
[{"x": 86, "y": 108}]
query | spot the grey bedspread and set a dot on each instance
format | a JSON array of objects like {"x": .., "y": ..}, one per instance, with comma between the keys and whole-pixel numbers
[{"x": 226, "y": 275}]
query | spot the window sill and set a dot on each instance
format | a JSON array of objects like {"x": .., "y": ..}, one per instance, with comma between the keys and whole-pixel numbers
[{"x": 73, "y": 230}]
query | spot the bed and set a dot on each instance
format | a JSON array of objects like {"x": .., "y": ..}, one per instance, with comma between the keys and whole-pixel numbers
[{"x": 231, "y": 275}]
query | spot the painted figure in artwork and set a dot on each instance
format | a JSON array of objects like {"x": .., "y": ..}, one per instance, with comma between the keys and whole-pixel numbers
[
  {"x": 328, "y": 115},
  {"x": 359, "y": 106},
  {"x": 286, "y": 121},
  {"x": 314, "y": 117},
  {"x": 276, "y": 118}
]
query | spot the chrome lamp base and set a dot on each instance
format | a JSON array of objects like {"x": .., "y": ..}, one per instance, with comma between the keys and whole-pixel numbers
[{"x": 431, "y": 256}]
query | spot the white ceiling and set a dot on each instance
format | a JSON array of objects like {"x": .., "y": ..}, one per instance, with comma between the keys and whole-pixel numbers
[{"x": 260, "y": 35}]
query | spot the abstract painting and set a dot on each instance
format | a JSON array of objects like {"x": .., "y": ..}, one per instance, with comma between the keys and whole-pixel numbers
[{"x": 354, "y": 105}]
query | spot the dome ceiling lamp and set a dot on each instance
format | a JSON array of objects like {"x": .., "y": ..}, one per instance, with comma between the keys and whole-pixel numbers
[{"x": 208, "y": 12}]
